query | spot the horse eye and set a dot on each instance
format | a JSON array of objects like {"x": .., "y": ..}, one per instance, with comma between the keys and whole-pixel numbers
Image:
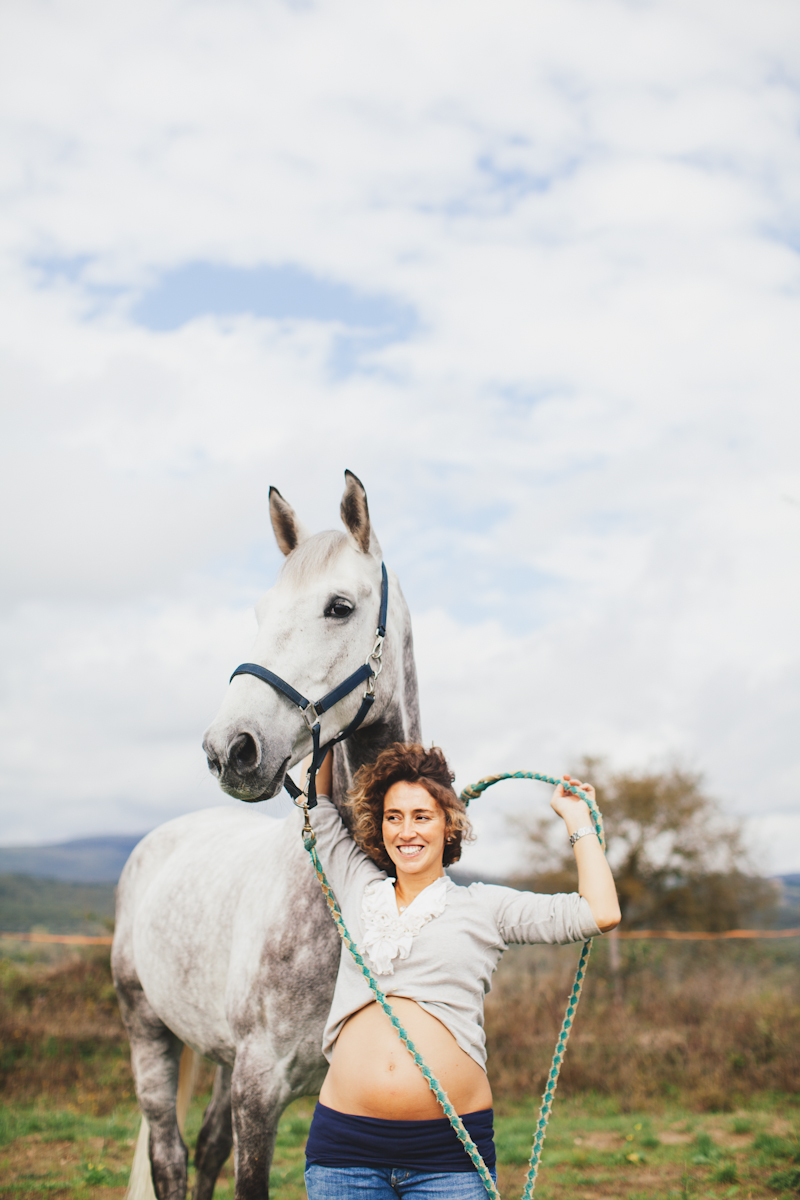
[{"x": 338, "y": 608}]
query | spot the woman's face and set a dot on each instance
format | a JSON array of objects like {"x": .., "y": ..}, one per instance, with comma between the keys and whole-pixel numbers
[{"x": 414, "y": 829}]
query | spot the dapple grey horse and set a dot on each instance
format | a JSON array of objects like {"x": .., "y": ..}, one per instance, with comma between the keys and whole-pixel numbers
[{"x": 223, "y": 941}]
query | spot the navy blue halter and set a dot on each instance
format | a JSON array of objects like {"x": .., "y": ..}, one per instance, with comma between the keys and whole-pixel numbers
[{"x": 311, "y": 713}]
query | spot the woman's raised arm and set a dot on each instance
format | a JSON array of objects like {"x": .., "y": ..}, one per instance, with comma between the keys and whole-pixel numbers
[
  {"x": 324, "y": 774},
  {"x": 341, "y": 858},
  {"x": 595, "y": 881}
]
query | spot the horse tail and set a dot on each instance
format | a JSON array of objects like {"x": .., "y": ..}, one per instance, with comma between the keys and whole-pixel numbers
[
  {"x": 140, "y": 1184},
  {"x": 187, "y": 1078}
]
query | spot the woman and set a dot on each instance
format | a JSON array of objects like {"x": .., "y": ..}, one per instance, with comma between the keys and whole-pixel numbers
[{"x": 378, "y": 1130}]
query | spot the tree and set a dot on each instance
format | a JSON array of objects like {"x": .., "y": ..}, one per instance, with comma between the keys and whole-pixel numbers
[{"x": 679, "y": 863}]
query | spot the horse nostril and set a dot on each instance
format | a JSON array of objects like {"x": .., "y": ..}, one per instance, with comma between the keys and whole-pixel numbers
[{"x": 243, "y": 753}]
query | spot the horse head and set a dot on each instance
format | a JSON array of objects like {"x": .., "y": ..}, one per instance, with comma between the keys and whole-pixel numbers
[{"x": 315, "y": 627}]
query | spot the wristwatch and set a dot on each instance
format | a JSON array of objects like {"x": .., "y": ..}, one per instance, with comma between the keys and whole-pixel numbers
[{"x": 582, "y": 832}]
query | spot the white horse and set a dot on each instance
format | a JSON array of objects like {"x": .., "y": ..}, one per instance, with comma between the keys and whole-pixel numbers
[{"x": 223, "y": 941}]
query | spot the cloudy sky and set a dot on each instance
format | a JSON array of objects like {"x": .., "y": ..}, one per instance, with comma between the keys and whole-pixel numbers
[{"x": 529, "y": 269}]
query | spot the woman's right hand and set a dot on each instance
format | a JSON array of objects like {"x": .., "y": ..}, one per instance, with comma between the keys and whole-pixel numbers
[{"x": 325, "y": 775}]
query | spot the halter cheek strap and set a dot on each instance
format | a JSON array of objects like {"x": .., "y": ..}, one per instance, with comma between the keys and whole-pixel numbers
[{"x": 367, "y": 673}]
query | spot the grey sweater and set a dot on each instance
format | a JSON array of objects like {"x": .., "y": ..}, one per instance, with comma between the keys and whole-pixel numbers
[{"x": 458, "y": 935}]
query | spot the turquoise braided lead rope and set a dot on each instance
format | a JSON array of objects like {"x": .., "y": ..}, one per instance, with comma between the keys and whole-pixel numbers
[
  {"x": 552, "y": 1078},
  {"x": 469, "y": 793}
]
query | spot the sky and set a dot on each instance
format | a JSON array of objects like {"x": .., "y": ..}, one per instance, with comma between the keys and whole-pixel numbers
[{"x": 531, "y": 270}]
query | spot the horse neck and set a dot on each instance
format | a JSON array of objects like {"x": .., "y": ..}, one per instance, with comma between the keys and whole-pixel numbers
[{"x": 398, "y": 720}]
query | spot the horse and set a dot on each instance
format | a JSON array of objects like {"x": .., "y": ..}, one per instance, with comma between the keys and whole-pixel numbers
[{"x": 223, "y": 942}]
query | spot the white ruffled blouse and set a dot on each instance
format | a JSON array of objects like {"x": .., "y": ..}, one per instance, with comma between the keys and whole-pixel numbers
[{"x": 388, "y": 933}]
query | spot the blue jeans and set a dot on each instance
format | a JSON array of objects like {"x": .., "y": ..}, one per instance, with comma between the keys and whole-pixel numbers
[{"x": 387, "y": 1183}]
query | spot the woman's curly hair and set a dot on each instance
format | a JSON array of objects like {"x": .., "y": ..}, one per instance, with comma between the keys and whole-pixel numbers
[{"x": 406, "y": 762}]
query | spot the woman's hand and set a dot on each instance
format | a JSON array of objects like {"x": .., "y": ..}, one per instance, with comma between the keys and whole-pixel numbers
[
  {"x": 574, "y": 811},
  {"x": 595, "y": 881},
  {"x": 324, "y": 774}
]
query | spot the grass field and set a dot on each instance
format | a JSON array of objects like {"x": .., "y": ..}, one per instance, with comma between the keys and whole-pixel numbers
[
  {"x": 592, "y": 1150},
  {"x": 680, "y": 1083}
]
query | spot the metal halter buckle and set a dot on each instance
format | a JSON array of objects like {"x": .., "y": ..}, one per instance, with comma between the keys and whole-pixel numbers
[
  {"x": 375, "y": 657},
  {"x": 310, "y": 715}
]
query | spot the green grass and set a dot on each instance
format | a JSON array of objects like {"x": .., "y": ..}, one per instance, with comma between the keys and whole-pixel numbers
[
  {"x": 63, "y": 1125},
  {"x": 592, "y": 1150}
]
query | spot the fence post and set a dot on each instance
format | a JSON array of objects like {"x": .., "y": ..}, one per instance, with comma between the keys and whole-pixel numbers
[{"x": 614, "y": 964}]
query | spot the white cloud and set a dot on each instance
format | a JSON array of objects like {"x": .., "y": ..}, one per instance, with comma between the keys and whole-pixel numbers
[{"x": 577, "y": 462}]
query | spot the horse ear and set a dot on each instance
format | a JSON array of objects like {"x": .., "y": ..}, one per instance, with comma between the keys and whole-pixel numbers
[
  {"x": 355, "y": 515},
  {"x": 289, "y": 529}
]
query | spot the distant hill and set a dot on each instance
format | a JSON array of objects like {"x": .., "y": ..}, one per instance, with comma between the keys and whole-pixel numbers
[
  {"x": 465, "y": 878},
  {"x": 84, "y": 860},
  {"x": 54, "y": 906},
  {"x": 789, "y": 901},
  {"x": 69, "y": 887}
]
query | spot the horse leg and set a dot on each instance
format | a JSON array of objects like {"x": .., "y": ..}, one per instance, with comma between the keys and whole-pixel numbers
[
  {"x": 259, "y": 1094},
  {"x": 155, "y": 1070},
  {"x": 216, "y": 1136},
  {"x": 155, "y": 1058}
]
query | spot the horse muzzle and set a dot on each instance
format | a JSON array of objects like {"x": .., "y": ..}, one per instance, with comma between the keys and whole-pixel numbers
[{"x": 240, "y": 767}]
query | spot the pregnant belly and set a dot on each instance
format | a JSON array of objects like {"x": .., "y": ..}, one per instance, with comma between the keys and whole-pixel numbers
[{"x": 373, "y": 1075}]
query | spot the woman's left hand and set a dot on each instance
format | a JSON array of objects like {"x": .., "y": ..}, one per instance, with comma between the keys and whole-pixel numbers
[
  {"x": 595, "y": 881},
  {"x": 569, "y": 806}
]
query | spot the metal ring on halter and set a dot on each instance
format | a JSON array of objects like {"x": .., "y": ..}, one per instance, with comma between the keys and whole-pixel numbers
[
  {"x": 375, "y": 657},
  {"x": 376, "y": 653},
  {"x": 310, "y": 715}
]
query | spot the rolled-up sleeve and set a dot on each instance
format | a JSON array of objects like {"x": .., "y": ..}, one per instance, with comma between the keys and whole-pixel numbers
[{"x": 528, "y": 917}]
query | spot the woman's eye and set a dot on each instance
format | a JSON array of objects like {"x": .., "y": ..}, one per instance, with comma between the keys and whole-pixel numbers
[{"x": 338, "y": 608}]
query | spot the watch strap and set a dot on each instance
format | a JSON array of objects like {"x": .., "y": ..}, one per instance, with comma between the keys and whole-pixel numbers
[{"x": 582, "y": 832}]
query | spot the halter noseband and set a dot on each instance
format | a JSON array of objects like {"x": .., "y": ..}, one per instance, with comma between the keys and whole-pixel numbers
[{"x": 312, "y": 712}]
